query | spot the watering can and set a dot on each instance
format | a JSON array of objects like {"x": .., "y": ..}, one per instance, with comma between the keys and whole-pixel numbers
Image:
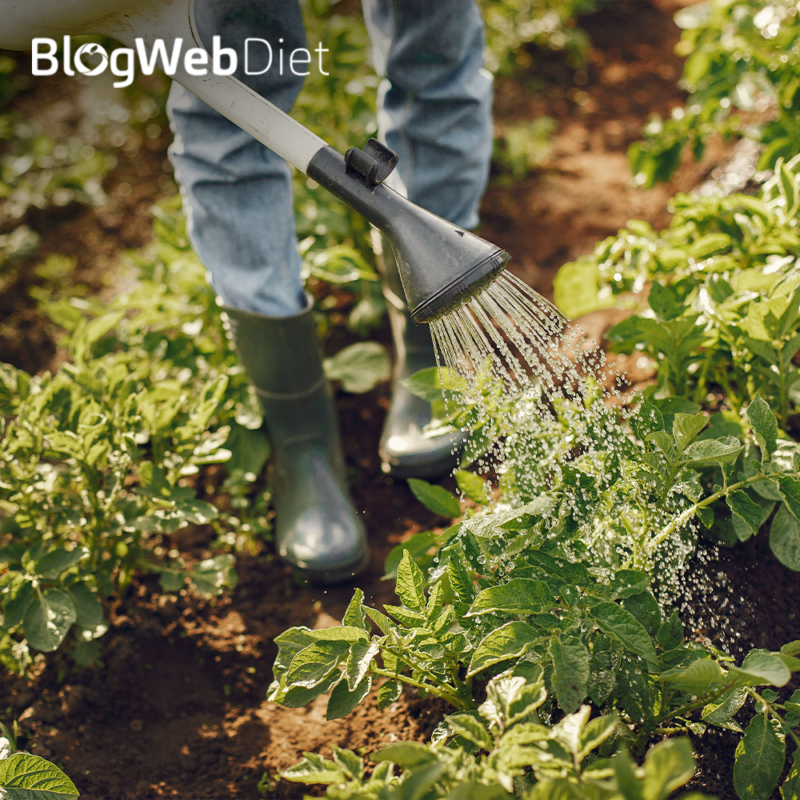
[{"x": 440, "y": 264}]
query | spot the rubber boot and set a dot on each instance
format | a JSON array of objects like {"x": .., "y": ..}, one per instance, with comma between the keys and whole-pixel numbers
[
  {"x": 317, "y": 529},
  {"x": 404, "y": 449}
]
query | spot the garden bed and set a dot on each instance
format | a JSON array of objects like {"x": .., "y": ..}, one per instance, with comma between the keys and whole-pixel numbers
[{"x": 178, "y": 708}]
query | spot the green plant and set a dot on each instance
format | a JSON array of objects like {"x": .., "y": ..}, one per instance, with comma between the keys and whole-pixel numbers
[
  {"x": 723, "y": 294},
  {"x": 503, "y": 750},
  {"x": 72, "y": 452},
  {"x": 553, "y": 587},
  {"x": 37, "y": 171},
  {"x": 27, "y": 777},
  {"x": 551, "y": 635},
  {"x": 549, "y": 24},
  {"x": 741, "y": 56},
  {"x": 521, "y": 147}
]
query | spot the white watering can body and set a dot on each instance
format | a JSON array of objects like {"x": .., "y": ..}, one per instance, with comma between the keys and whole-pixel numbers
[{"x": 168, "y": 20}]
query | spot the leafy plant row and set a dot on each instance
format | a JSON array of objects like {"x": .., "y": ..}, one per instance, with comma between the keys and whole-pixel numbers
[
  {"x": 527, "y": 599},
  {"x": 100, "y": 461},
  {"x": 722, "y": 293},
  {"x": 741, "y": 73}
]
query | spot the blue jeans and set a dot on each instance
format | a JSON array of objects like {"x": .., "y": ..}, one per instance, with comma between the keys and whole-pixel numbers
[{"x": 434, "y": 111}]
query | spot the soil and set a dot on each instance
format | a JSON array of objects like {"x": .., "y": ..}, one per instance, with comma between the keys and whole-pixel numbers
[{"x": 178, "y": 707}]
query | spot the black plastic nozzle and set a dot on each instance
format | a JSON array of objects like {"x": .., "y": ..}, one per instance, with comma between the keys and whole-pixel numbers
[{"x": 440, "y": 264}]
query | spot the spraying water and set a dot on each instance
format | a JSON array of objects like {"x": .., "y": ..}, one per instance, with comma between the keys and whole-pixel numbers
[{"x": 543, "y": 404}]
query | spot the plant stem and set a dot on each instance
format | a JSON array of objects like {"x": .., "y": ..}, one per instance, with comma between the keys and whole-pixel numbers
[
  {"x": 771, "y": 709},
  {"x": 436, "y": 691},
  {"x": 456, "y": 698},
  {"x": 683, "y": 518},
  {"x": 689, "y": 707}
]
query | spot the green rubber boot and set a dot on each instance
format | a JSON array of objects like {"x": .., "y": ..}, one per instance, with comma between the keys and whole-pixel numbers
[
  {"x": 404, "y": 450},
  {"x": 317, "y": 529}
]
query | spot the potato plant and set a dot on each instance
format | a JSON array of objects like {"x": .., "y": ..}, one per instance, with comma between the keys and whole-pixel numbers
[
  {"x": 723, "y": 294},
  {"x": 23, "y": 775},
  {"x": 741, "y": 73},
  {"x": 525, "y": 595},
  {"x": 90, "y": 466}
]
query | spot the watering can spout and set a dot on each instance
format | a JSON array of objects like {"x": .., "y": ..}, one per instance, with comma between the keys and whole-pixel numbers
[{"x": 440, "y": 264}]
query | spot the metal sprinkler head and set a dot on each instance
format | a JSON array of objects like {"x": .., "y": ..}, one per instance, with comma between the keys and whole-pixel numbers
[{"x": 441, "y": 265}]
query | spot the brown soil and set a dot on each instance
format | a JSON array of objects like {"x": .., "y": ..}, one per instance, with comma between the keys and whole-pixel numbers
[{"x": 177, "y": 709}]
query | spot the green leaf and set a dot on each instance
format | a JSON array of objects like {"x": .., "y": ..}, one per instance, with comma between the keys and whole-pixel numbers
[
  {"x": 596, "y": 732},
  {"x": 622, "y": 625},
  {"x": 213, "y": 575},
  {"x": 567, "y": 731},
  {"x": 518, "y": 596},
  {"x": 361, "y": 655},
  {"x": 667, "y": 767},
  {"x": 509, "y": 641},
  {"x": 198, "y": 512},
  {"x": 56, "y": 562},
  {"x": 791, "y": 648},
  {"x": 343, "y": 700},
  {"x": 472, "y": 486},
  {"x": 314, "y": 769},
  {"x": 789, "y": 489},
  {"x": 355, "y": 616},
  {"x": 314, "y": 663},
  {"x": 712, "y": 451},
  {"x": 491, "y": 525},
  {"x": 470, "y": 728},
  {"x": 359, "y": 367},
  {"x": 760, "y": 756},
  {"x": 172, "y": 581},
  {"x": 435, "y": 498},
  {"x": 388, "y": 694},
  {"x": 90, "y": 618},
  {"x": 410, "y": 584},
  {"x": 340, "y": 633},
  {"x": 664, "y": 302},
  {"x": 27, "y": 777},
  {"x": 426, "y": 384},
  {"x": 697, "y": 678},
  {"x": 685, "y": 427},
  {"x": 405, "y": 754},
  {"x": 87, "y": 654},
  {"x": 721, "y": 711},
  {"x": 741, "y": 504},
  {"x": 629, "y": 582},
  {"x": 352, "y": 765},
  {"x": 670, "y": 633},
  {"x": 764, "y": 425},
  {"x": 47, "y": 620},
  {"x": 790, "y": 789},
  {"x": 760, "y": 668},
  {"x": 570, "y": 671},
  {"x": 16, "y": 606},
  {"x": 784, "y": 539},
  {"x": 417, "y": 547},
  {"x": 645, "y": 608}
]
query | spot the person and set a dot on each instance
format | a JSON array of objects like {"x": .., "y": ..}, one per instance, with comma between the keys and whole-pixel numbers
[{"x": 435, "y": 112}]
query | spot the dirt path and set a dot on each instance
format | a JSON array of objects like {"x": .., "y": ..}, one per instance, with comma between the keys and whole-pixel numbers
[{"x": 178, "y": 708}]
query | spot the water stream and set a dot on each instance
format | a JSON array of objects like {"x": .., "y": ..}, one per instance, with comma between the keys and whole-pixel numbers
[{"x": 544, "y": 400}]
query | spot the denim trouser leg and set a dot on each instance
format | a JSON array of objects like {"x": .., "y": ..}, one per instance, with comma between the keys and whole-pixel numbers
[
  {"x": 435, "y": 112},
  {"x": 237, "y": 193},
  {"x": 435, "y": 102}
]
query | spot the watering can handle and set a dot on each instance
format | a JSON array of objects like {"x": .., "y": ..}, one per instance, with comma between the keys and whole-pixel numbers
[{"x": 250, "y": 111}]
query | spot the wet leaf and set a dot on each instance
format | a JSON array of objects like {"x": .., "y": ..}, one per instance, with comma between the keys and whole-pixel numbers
[{"x": 760, "y": 756}]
